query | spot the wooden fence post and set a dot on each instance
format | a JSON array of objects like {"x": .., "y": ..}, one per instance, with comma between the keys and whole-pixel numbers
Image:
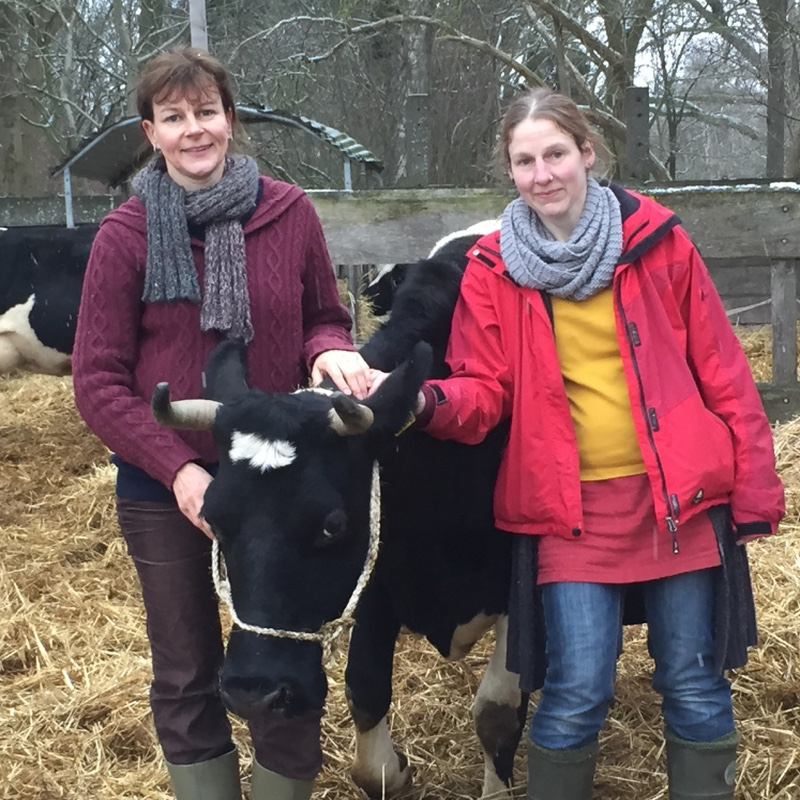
[
  {"x": 781, "y": 397},
  {"x": 637, "y": 145},
  {"x": 784, "y": 321},
  {"x": 417, "y": 140}
]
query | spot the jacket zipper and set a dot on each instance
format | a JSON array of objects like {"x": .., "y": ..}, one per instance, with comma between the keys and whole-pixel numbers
[
  {"x": 670, "y": 501},
  {"x": 547, "y": 301}
]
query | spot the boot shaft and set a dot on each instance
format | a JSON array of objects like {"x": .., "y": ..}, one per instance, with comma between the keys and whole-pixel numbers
[
  {"x": 701, "y": 770},
  {"x": 561, "y": 774},
  {"x": 215, "y": 779},
  {"x": 268, "y": 785}
]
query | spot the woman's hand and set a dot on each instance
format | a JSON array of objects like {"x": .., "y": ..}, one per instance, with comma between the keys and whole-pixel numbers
[
  {"x": 189, "y": 487},
  {"x": 346, "y": 369}
]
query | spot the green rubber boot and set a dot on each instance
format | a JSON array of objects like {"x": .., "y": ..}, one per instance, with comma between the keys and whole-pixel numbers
[
  {"x": 701, "y": 770},
  {"x": 215, "y": 779},
  {"x": 268, "y": 785},
  {"x": 561, "y": 774}
]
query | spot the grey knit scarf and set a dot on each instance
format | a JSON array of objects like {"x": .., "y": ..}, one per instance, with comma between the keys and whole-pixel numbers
[
  {"x": 170, "y": 273},
  {"x": 575, "y": 269}
]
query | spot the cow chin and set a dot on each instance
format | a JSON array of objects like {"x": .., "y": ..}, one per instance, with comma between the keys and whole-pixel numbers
[{"x": 263, "y": 674}]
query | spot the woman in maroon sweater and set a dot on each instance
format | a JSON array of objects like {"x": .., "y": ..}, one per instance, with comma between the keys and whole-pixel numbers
[{"x": 207, "y": 249}]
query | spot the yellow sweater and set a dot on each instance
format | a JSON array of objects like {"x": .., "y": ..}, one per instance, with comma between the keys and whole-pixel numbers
[{"x": 588, "y": 351}]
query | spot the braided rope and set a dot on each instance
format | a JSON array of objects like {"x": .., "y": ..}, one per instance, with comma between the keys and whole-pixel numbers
[{"x": 330, "y": 631}]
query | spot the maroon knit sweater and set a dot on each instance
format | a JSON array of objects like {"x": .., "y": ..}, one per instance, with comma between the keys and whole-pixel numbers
[{"x": 124, "y": 347}]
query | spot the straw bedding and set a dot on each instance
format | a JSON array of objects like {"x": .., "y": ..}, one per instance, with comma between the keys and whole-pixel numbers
[{"x": 74, "y": 666}]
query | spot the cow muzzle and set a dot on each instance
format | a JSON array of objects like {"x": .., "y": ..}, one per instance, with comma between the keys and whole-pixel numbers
[
  {"x": 251, "y": 701},
  {"x": 278, "y": 676}
]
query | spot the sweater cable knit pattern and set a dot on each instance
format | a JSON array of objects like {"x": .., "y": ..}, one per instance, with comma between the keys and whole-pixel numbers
[{"x": 124, "y": 347}]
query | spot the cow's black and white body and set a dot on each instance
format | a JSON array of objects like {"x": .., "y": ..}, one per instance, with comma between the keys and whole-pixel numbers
[
  {"x": 444, "y": 568},
  {"x": 41, "y": 274},
  {"x": 381, "y": 290},
  {"x": 290, "y": 508}
]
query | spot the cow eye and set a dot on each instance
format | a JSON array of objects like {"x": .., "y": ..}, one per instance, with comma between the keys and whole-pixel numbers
[{"x": 333, "y": 529}]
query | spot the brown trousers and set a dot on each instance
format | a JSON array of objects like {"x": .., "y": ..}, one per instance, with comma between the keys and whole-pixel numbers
[{"x": 173, "y": 561}]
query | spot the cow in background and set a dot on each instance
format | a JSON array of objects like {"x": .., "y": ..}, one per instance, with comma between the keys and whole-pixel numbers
[
  {"x": 290, "y": 509},
  {"x": 381, "y": 290},
  {"x": 41, "y": 275}
]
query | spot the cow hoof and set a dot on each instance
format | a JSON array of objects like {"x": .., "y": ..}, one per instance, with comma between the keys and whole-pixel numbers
[{"x": 388, "y": 782}]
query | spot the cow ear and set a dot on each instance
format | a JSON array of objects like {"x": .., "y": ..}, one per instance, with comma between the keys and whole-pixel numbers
[
  {"x": 225, "y": 375},
  {"x": 396, "y": 397}
]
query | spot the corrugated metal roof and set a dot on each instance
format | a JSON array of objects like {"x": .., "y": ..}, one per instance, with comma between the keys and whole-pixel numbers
[{"x": 113, "y": 154}]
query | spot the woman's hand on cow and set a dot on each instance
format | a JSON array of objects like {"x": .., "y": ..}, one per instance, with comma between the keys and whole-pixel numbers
[
  {"x": 346, "y": 369},
  {"x": 189, "y": 487}
]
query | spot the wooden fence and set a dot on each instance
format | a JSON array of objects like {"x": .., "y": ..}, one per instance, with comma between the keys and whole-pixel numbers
[{"x": 749, "y": 236}]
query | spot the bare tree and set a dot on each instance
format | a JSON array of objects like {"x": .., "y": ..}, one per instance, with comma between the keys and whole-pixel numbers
[{"x": 382, "y": 70}]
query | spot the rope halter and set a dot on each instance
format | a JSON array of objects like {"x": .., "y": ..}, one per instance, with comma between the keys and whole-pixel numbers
[{"x": 330, "y": 631}]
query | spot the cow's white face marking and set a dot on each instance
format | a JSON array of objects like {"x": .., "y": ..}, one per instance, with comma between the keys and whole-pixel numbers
[{"x": 261, "y": 454}]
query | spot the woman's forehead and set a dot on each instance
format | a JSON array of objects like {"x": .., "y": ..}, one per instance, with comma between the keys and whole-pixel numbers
[
  {"x": 194, "y": 95},
  {"x": 542, "y": 132}
]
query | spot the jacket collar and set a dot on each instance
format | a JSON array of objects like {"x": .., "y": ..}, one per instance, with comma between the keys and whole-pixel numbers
[{"x": 644, "y": 222}]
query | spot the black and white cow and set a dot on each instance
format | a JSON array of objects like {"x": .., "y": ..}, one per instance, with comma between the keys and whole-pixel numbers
[
  {"x": 41, "y": 274},
  {"x": 380, "y": 291},
  {"x": 290, "y": 508}
]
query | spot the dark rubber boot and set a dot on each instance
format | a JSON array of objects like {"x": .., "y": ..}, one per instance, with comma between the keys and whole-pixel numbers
[
  {"x": 561, "y": 774},
  {"x": 216, "y": 779},
  {"x": 701, "y": 770}
]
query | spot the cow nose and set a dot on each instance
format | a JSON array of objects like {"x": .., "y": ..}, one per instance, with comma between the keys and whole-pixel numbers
[
  {"x": 249, "y": 698},
  {"x": 281, "y": 699}
]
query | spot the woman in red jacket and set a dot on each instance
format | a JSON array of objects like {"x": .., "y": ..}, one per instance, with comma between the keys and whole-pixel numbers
[
  {"x": 207, "y": 249},
  {"x": 639, "y": 458}
]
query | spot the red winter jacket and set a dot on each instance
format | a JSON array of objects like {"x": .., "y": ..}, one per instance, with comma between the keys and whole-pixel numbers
[{"x": 704, "y": 437}]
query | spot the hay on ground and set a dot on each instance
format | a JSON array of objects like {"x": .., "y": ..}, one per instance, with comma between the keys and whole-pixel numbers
[{"x": 74, "y": 663}]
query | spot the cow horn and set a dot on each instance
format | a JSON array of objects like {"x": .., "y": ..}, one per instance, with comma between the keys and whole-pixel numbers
[
  {"x": 187, "y": 414},
  {"x": 349, "y": 418}
]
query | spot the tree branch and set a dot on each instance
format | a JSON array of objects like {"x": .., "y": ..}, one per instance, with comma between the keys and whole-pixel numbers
[{"x": 600, "y": 49}]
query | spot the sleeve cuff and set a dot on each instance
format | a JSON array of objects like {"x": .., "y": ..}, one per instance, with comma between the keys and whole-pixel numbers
[
  {"x": 432, "y": 397},
  {"x": 753, "y": 529}
]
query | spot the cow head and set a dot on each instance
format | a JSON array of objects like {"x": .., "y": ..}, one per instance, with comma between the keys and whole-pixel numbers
[{"x": 289, "y": 507}]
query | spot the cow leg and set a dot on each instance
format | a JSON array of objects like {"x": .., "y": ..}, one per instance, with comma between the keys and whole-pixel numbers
[
  {"x": 378, "y": 769},
  {"x": 10, "y": 357},
  {"x": 499, "y": 711}
]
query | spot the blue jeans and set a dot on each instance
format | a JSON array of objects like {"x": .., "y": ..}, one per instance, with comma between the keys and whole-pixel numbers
[{"x": 584, "y": 630}]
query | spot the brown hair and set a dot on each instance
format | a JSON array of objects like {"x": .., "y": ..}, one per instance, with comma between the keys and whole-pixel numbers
[
  {"x": 186, "y": 71},
  {"x": 541, "y": 103}
]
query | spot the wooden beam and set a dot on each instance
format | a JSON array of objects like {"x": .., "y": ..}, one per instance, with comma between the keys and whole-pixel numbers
[
  {"x": 784, "y": 322},
  {"x": 197, "y": 24}
]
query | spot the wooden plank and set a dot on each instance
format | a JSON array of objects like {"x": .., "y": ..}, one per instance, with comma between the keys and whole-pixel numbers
[
  {"x": 384, "y": 225},
  {"x": 728, "y": 222},
  {"x": 381, "y": 226},
  {"x": 781, "y": 403},
  {"x": 784, "y": 322}
]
